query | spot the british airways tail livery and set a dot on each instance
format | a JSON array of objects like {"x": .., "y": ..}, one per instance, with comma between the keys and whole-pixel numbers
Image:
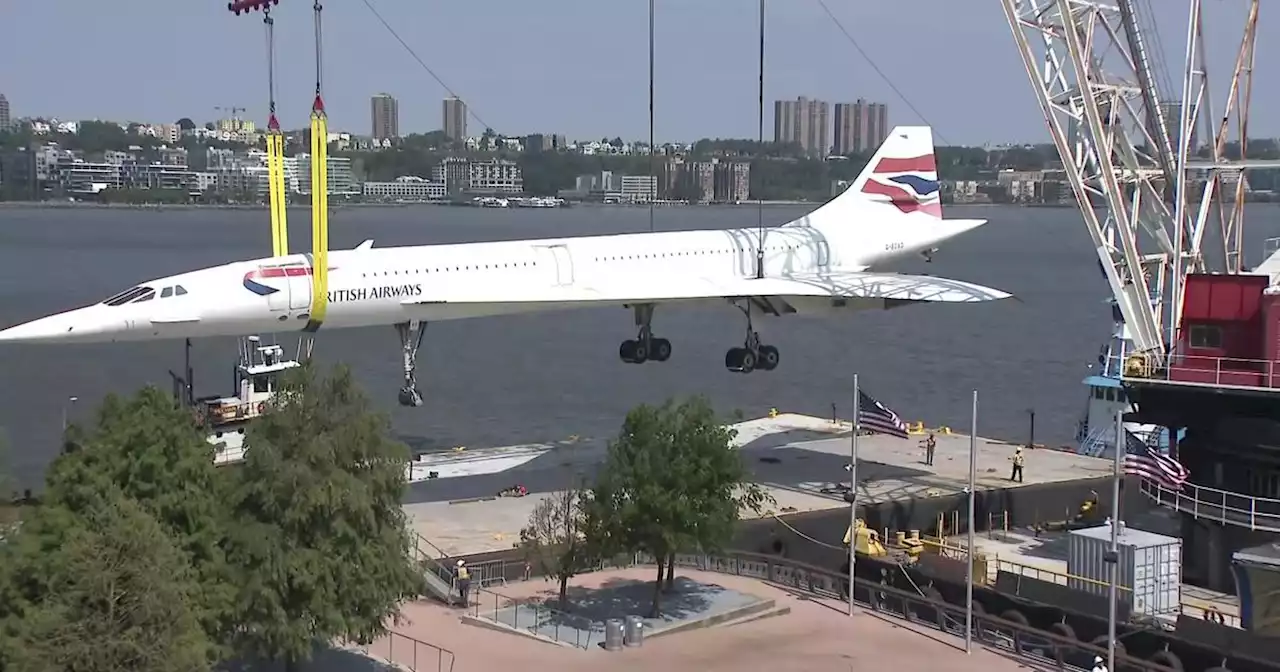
[{"x": 813, "y": 265}]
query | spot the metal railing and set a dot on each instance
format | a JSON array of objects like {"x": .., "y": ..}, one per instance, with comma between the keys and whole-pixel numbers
[
  {"x": 1201, "y": 370},
  {"x": 534, "y": 616},
  {"x": 1227, "y": 508},
  {"x": 1208, "y": 613},
  {"x": 989, "y": 631},
  {"x": 405, "y": 651}
]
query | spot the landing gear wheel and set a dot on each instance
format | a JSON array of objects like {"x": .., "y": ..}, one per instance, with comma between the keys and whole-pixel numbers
[
  {"x": 645, "y": 347},
  {"x": 411, "y": 335},
  {"x": 660, "y": 349},
  {"x": 769, "y": 358},
  {"x": 740, "y": 360}
]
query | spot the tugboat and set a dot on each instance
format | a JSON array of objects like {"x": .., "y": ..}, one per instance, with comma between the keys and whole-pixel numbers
[
  {"x": 256, "y": 381},
  {"x": 1096, "y": 430}
]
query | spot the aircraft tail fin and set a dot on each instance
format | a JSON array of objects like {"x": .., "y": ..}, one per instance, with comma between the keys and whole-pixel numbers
[{"x": 900, "y": 180}]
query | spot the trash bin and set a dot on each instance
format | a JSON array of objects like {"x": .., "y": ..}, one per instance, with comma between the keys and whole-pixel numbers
[
  {"x": 635, "y": 631},
  {"x": 613, "y": 634}
]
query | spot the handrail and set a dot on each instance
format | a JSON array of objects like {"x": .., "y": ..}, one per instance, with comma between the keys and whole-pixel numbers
[
  {"x": 1227, "y": 508},
  {"x": 423, "y": 540},
  {"x": 1199, "y": 370},
  {"x": 542, "y": 616},
  {"x": 444, "y": 658}
]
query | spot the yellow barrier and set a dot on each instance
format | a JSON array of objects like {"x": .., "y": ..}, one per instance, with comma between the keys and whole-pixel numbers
[{"x": 319, "y": 216}]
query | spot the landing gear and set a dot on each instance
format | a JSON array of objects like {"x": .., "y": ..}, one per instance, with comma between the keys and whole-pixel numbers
[
  {"x": 752, "y": 355},
  {"x": 645, "y": 347},
  {"x": 411, "y": 334}
]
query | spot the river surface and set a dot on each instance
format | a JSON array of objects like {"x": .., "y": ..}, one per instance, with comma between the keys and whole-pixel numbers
[{"x": 544, "y": 377}]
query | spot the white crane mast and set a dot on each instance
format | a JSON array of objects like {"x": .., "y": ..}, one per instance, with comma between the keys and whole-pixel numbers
[{"x": 1092, "y": 74}]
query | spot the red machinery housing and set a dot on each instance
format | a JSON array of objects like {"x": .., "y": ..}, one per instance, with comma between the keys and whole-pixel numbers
[{"x": 1230, "y": 332}]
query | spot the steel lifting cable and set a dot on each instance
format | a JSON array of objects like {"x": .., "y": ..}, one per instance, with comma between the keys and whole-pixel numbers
[
  {"x": 270, "y": 25},
  {"x": 653, "y": 180},
  {"x": 317, "y": 9},
  {"x": 760, "y": 146}
]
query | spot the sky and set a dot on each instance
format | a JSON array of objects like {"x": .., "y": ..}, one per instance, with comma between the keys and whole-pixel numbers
[{"x": 577, "y": 67}]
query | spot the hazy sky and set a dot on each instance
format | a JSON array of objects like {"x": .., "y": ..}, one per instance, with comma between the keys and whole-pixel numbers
[{"x": 577, "y": 67}]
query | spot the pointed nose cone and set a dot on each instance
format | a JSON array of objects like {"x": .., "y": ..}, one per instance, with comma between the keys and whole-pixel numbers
[
  {"x": 76, "y": 326},
  {"x": 46, "y": 329}
]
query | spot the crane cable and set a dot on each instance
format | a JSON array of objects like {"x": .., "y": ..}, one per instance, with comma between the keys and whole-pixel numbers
[
  {"x": 866, "y": 57},
  {"x": 653, "y": 180},
  {"x": 760, "y": 145},
  {"x": 319, "y": 190},
  {"x": 275, "y": 148}
]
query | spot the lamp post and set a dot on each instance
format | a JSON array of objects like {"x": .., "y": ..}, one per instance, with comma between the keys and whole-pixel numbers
[
  {"x": 1031, "y": 429},
  {"x": 68, "y": 403}
]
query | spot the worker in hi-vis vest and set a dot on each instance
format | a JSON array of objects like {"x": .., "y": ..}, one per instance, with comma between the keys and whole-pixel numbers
[
  {"x": 464, "y": 581},
  {"x": 1016, "y": 474}
]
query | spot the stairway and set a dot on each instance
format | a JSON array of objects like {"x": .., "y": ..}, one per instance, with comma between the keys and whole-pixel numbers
[{"x": 438, "y": 576}]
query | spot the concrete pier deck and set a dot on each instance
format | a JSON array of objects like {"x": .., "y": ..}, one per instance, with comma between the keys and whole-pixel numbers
[{"x": 794, "y": 456}]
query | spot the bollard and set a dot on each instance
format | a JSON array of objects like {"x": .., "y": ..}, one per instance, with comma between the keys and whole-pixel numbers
[
  {"x": 635, "y": 631},
  {"x": 613, "y": 634}
]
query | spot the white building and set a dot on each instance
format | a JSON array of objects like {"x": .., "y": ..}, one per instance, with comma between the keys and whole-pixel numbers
[
  {"x": 638, "y": 188},
  {"x": 496, "y": 176},
  {"x": 341, "y": 180},
  {"x": 406, "y": 188}
]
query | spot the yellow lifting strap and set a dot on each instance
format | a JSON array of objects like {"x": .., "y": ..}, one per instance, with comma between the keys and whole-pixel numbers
[
  {"x": 319, "y": 195},
  {"x": 275, "y": 150}
]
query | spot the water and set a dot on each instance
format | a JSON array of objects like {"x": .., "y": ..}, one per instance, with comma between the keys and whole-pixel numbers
[{"x": 543, "y": 377}]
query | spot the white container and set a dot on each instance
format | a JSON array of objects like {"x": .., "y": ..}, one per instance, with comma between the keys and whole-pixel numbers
[{"x": 1149, "y": 564}]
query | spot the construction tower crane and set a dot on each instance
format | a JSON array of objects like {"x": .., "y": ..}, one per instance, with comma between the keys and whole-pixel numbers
[{"x": 1092, "y": 73}]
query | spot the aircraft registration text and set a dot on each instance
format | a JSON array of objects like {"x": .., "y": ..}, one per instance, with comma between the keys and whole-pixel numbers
[{"x": 375, "y": 293}]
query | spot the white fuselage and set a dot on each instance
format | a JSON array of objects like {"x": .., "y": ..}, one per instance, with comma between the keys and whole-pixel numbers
[{"x": 370, "y": 287}]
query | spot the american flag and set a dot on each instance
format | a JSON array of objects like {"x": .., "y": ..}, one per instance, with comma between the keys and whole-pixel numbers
[
  {"x": 1143, "y": 461},
  {"x": 876, "y": 417}
]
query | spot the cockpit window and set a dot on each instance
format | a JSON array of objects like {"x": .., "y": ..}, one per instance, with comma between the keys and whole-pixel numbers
[
  {"x": 166, "y": 292},
  {"x": 146, "y": 296},
  {"x": 179, "y": 290},
  {"x": 127, "y": 295}
]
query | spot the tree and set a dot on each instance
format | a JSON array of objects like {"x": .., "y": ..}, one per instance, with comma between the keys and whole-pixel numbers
[
  {"x": 554, "y": 540},
  {"x": 120, "y": 597},
  {"x": 148, "y": 449},
  {"x": 319, "y": 547},
  {"x": 185, "y": 124},
  {"x": 673, "y": 481}
]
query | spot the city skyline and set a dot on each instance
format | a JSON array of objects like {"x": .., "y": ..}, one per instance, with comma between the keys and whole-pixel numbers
[{"x": 580, "y": 97}]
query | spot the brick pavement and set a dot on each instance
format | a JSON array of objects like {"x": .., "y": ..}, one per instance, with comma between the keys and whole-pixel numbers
[{"x": 816, "y": 635}]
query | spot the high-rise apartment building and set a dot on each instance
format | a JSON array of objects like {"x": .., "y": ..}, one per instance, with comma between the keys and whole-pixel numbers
[
  {"x": 385, "y": 115},
  {"x": 803, "y": 122},
  {"x": 5, "y": 119},
  {"x": 455, "y": 119},
  {"x": 861, "y": 127},
  {"x": 845, "y": 123}
]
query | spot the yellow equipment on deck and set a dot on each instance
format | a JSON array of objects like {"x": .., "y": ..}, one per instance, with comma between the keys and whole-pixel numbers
[{"x": 868, "y": 543}]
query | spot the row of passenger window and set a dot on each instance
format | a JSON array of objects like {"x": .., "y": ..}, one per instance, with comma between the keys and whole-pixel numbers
[{"x": 489, "y": 267}]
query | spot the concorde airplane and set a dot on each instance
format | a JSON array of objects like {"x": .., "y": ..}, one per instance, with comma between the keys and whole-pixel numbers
[{"x": 814, "y": 265}]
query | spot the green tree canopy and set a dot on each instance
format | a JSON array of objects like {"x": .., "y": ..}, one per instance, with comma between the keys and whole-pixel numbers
[
  {"x": 319, "y": 548},
  {"x": 555, "y": 539},
  {"x": 151, "y": 450},
  {"x": 119, "y": 595},
  {"x": 673, "y": 481}
]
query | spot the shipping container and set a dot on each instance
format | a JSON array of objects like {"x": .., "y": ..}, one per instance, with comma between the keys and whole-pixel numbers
[{"x": 1149, "y": 564}]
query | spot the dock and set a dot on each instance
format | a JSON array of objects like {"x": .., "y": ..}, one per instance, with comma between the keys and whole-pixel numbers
[{"x": 799, "y": 460}]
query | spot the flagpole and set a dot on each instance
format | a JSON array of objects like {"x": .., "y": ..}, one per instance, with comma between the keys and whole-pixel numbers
[
  {"x": 853, "y": 486},
  {"x": 1114, "y": 555},
  {"x": 973, "y": 477}
]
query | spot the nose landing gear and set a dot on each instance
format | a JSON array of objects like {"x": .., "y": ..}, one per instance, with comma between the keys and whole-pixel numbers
[
  {"x": 645, "y": 347},
  {"x": 411, "y": 335}
]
